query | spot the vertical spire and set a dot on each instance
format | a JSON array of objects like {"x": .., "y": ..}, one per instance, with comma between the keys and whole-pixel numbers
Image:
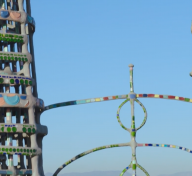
[{"x": 131, "y": 77}]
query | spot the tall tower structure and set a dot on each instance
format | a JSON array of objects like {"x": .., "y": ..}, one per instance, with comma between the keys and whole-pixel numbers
[{"x": 21, "y": 133}]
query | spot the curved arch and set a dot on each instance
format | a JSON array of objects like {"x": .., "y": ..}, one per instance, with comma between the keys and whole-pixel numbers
[
  {"x": 125, "y": 170},
  {"x": 85, "y": 101},
  {"x": 125, "y": 96},
  {"x": 118, "y": 119},
  {"x": 169, "y": 97},
  {"x": 164, "y": 145},
  {"x": 140, "y": 167},
  {"x": 145, "y": 112},
  {"x": 88, "y": 152}
]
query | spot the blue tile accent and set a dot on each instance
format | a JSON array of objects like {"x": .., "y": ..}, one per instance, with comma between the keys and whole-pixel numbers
[
  {"x": 144, "y": 95},
  {"x": 157, "y": 145},
  {"x": 180, "y": 147},
  {"x": 150, "y": 145},
  {"x": 12, "y": 100},
  {"x": 23, "y": 97},
  {"x": 127, "y": 167},
  {"x": 73, "y": 102},
  {"x": 82, "y": 101},
  {"x": 4, "y": 14},
  {"x": 132, "y": 96},
  {"x": 9, "y": 173},
  {"x": 63, "y": 104}
]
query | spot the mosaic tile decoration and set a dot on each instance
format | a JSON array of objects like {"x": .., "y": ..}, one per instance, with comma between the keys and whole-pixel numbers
[
  {"x": 18, "y": 172},
  {"x": 19, "y": 128},
  {"x": 132, "y": 97},
  {"x": 86, "y": 153},
  {"x": 164, "y": 145},
  {"x": 14, "y": 38},
  {"x": 16, "y": 16},
  {"x": 84, "y": 101},
  {"x": 170, "y": 97},
  {"x": 125, "y": 170},
  {"x": 14, "y": 150},
  {"x": 140, "y": 167},
  {"x": 9, "y": 56},
  {"x": 16, "y": 80}
]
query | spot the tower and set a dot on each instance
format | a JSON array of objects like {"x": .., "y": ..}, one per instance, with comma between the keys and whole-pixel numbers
[{"x": 21, "y": 133}]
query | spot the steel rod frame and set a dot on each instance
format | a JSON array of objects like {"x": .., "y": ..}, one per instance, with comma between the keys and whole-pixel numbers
[{"x": 132, "y": 98}]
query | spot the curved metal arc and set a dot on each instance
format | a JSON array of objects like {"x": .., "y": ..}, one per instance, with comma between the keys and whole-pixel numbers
[
  {"x": 118, "y": 118},
  {"x": 164, "y": 145},
  {"x": 85, "y": 101},
  {"x": 140, "y": 167},
  {"x": 91, "y": 100},
  {"x": 169, "y": 97},
  {"x": 88, "y": 152},
  {"x": 145, "y": 112},
  {"x": 125, "y": 170}
]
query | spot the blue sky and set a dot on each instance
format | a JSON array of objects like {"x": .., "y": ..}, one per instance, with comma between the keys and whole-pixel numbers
[{"x": 86, "y": 47}]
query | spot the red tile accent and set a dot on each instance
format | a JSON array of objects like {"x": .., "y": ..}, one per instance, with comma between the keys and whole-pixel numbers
[
  {"x": 105, "y": 98},
  {"x": 114, "y": 97},
  {"x": 151, "y": 95},
  {"x": 146, "y": 144},
  {"x": 140, "y": 95},
  {"x": 160, "y": 96},
  {"x": 181, "y": 98},
  {"x": 171, "y": 97}
]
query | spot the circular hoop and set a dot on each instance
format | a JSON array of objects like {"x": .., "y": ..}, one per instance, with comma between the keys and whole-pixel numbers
[{"x": 144, "y": 109}]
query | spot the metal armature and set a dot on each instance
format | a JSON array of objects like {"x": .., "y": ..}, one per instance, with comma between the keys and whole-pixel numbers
[
  {"x": 132, "y": 97},
  {"x": 21, "y": 133}
]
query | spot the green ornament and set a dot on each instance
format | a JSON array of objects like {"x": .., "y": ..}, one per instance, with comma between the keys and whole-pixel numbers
[
  {"x": 12, "y": 81},
  {"x": 33, "y": 130},
  {"x": 24, "y": 130},
  {"x": 8, "y": 129},
  {"x": 21, "y": 81},
  {"x": 29, "y": 130},
  {"x": 14, "y": 129}
]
